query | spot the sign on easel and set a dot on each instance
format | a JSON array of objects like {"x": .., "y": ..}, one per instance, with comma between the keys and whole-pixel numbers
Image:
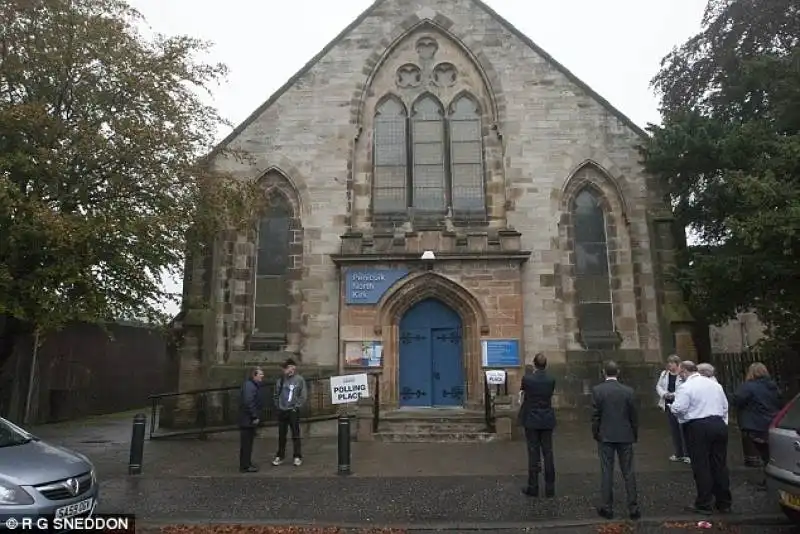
[
  {"x": 496, "y": 377},
  {"x": 349, "y": 388}
]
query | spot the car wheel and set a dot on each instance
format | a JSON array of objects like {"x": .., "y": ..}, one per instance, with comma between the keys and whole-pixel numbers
[{"x": 792, "y": 514}]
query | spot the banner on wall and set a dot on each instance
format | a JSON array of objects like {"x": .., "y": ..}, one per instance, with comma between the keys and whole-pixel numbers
[{"x": 363, "y": 353}]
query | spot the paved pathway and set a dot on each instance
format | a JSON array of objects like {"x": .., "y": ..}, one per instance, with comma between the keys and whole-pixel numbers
[{"x": 437, "y": 485}]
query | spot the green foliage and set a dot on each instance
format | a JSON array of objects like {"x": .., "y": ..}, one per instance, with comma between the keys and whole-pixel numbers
[
  {"x": 100, "y": 134},
  {"x": 729, "y": 150}
]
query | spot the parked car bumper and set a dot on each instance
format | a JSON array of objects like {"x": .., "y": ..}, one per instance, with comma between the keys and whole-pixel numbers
[
  {"x": 43, "y": 511},
  {"x": 785, "y": 486}
]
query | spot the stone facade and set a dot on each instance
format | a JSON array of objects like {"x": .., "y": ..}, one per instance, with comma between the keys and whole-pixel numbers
[{"x": 506, "y": 249}]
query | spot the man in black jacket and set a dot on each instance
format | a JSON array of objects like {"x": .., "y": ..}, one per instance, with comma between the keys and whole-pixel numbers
[
  {"x": 538, "y": 418},
  {"x": 250, "y": 406},
  {"x": 615, "y": 427}
]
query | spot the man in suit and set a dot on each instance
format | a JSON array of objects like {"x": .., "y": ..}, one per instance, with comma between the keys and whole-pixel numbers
[
  {"x": 538, "y": 418},
  {"x": 615, "y": 427},
  {"x": 250, "y": 406}
]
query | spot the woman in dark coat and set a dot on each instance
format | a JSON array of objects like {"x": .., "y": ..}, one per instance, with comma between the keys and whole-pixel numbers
[{"x": 758, "y": 400}]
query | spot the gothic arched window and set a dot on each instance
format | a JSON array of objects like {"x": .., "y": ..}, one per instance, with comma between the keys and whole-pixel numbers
[
  {"x": 428, "y": 153},
  {"x": 390, "y": 156},
  {"x": 466, "y": 159},
  {"x": 272, "y": 267},
  {"x": 428, "y": 161},
  {"x": 592, "y": 276}
]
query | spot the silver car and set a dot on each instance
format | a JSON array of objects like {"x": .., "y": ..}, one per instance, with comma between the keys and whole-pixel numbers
[
  {"x": 783, "y": 469},
  {"x": 39, "y": 480}
]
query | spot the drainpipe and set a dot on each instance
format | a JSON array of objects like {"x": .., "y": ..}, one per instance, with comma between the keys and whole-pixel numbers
[{"x": 339, "y": 351}]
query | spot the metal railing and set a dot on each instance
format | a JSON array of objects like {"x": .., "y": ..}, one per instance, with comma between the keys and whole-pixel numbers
[
  {"x": 206, "y": 411},
  {"x": 376, "y": 403},
  {"x": 489, "y": 394}
]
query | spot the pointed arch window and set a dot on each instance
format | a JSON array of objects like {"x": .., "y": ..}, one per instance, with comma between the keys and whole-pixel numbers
[
  {"x": 428, "y": 153},
  {"x": 272, "y": 269},
  {"x": 592, "y": 273},
  {"x": 466, "y": 159},
  {"x": 428, "y": 160},
  {"x": 390, "y": 156}
]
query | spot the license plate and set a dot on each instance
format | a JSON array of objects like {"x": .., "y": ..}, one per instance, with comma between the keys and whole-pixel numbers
[
  {"x": 74, "y": 509},
  {"x": 792, "y": 501}
]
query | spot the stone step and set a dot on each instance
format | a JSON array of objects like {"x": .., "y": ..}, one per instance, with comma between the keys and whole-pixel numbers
[
  {"x": 431, "y": 426},
  {"x": 435, "y": 437}
]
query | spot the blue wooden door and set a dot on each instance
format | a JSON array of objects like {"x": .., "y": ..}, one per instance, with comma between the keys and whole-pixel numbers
[
  {"x": 431, "y": 372},
  {"x": 448, "y": 376}
]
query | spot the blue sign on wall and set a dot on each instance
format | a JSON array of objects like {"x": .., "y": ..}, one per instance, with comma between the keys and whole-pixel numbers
[
  {"x": 500, "y": 352},
  {"x": 367, "y": 286}
]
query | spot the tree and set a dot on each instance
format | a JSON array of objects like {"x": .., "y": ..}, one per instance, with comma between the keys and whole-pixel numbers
[
  {"x": 101, "y": 185},
  {"x": 729, "y": 151}
]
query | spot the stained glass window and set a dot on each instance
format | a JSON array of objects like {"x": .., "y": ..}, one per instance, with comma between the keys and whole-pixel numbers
[
  {"x": 272, "y": 266},
  {"x": 592, "y": 279},
  {"x": 466, "y": 159},
  {"x": 390, "y": 180}
]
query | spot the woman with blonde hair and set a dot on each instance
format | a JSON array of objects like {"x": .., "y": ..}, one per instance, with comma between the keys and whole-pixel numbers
[
  {"x": 667, "y": 384},
  {"x": 758, "y": 401}
]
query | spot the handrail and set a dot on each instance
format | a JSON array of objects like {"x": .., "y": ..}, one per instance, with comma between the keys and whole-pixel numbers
[
  {"x": 376, "y": 404},
  {"x": 217, "y": 409}
]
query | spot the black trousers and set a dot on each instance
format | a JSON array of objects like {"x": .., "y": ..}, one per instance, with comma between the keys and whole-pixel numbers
[
  {"x": 246, "y": 436},
  {"x": 676, "y": 431},
  {"x": 289, "y": 419},
  {"x": 624, "y": 451},
  {"x": 540, "y": 447},
  {"x": 707, "y": 439}
]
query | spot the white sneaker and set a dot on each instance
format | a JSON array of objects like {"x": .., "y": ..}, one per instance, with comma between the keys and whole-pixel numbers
[
  {"x": 687, "y": 460},
  {"x": 298, "y": 462},
  {"x": 674, "y": 458},
  {"x": 277, "y": 461}
]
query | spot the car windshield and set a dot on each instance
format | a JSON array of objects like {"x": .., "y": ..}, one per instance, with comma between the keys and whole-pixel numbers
[{"x": 12, "y": 435}]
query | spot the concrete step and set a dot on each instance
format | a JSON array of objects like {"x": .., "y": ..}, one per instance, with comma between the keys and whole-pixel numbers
[
  {"x": 432, "y": 426},
  {"x": 435, "y": 437}
]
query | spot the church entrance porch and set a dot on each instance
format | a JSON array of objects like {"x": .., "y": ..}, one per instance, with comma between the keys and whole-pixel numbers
[{"x": 431, "y": 372}]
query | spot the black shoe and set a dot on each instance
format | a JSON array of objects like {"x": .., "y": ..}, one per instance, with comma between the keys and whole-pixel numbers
[
  {"x": 530, "y": 492},
  {"x": 726, "y": 509},
  {"x": 605, "y": 513},
  {"x": 549, "y": 494},
  {"x": 251, "y": 469},
  {"x": 635, "y": 515},
  {"x": 696, "y": 510}
]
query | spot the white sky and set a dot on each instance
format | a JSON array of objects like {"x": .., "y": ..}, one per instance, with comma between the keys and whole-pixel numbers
[{"x": 615, "y": 46}]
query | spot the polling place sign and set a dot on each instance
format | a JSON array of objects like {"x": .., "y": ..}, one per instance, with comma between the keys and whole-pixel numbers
[{"x": 349, "y": 388}]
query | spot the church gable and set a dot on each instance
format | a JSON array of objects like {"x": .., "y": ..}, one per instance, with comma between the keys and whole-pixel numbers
[{"x": 364, "y": 42}]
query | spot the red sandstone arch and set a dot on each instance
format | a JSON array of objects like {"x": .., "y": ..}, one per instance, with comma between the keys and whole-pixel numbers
[{"x": 408, "y": 292}]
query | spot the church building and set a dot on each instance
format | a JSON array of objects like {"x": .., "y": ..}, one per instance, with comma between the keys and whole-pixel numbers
[{"x": 444, "y": 198}]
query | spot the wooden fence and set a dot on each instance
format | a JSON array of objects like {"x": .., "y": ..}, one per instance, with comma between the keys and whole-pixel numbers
[{"x": 784, "y": 367}]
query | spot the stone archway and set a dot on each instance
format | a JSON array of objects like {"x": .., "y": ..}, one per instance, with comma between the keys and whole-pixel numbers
[{"x": 412, "y": 290}]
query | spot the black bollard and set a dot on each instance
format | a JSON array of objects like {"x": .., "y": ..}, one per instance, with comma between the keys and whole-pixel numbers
[
  {"x": 344, "y": 445},
  {"x": 137, "y": 445}
]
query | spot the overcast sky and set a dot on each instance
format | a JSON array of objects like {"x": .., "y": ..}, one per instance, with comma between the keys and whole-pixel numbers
[{"x": 615, "y": 46}]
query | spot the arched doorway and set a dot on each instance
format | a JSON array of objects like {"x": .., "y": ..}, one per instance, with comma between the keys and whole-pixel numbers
[{"x": 431, "y": 356}]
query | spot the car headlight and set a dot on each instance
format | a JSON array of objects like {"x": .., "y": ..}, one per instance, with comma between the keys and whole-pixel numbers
[
  {"x": 94, "y": 477},
  {"x": 11, "y": 494}
]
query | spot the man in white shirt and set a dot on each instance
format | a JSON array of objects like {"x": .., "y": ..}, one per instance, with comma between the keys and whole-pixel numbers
[{"x": 702, "y": 407}]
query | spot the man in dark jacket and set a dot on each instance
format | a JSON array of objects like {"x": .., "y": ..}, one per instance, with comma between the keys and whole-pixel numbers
[
  {"x": 538, "y": 418},
  {"x": 250, "y": 407},
  {"x": 615, "y": 427}
]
